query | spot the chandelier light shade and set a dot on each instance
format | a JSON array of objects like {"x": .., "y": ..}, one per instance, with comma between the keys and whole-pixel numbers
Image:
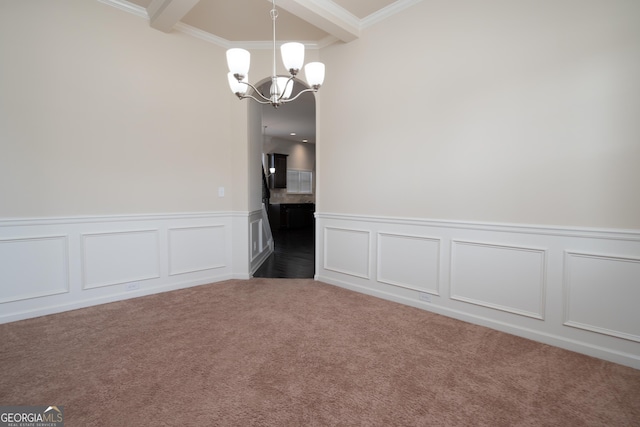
[
  {"x": 292, "y": 56},
  {"x": 238, "y": 86},
  {"x": 314, "y": 72},
  {"x": 284, "y": 88},
  {"x": 239, "y": 61}
]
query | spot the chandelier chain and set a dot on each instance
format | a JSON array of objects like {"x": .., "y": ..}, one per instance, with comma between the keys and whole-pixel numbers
[{"x": 274, "y": 16}]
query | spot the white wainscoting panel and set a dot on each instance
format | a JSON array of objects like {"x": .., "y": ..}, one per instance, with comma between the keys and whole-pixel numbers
[
  {"x": 347, "y": 251},
  {"x": 506, "y": 278},
  {"x": 409, "y": 261},
  {"x": 547, "y": 283},
  {"x": 33, "y": 267},
  {"x": 49, "y": 265},
  {"x": 255, "y": 237},
  {"x": 193, "y": 249},
  {"x": 119, "y": 257},
  {"x": 266, "y": 238},
  {"x": 260, "y": 239},
  {"x": 603, "y": 294}
]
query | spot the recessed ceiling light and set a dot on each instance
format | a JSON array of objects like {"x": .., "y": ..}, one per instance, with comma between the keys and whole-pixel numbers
[
  {"x": 305, "y": 140},
  {"x": 292, "y": 134}
]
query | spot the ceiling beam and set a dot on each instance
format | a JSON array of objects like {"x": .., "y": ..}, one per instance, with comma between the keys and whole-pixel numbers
[
  {"x": 325, "y": 15},
  {"x": 164, "y": 14}
]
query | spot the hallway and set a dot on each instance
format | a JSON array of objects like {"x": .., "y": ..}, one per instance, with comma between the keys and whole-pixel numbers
[{"x": 294, "y": 254}]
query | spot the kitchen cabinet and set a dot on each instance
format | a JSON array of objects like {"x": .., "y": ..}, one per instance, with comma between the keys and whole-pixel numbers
[
  {"x": 299, "y": 181},
  {"x": 292, "y": 215}
]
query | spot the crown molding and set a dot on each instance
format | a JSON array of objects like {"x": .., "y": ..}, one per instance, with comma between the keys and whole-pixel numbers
[
  {"x": 387, "y": 12},
  {"x": 326, "y": 16},
  {"x": 327, "y": 5},
  {"x": 129, "y": 7},
  {"x": 189, "y": 30},
  {"x": 327, "y": 41},
  {"x": 338, "y": 11},
  {"x": 202, "y": 35}
]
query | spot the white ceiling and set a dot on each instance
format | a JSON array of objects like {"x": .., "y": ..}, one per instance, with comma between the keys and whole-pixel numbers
[
  {"x": 249, "y": 20},
  {"x": 247, "y": 23}
]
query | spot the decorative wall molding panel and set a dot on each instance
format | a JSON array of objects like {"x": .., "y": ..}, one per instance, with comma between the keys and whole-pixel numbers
[
  {"x": 603, "y": 294},
  {"x": 549, "y": 284},
  {"x": 119, "y": 257},
  {"x": 49, "y": 265},
  {"x": 255, "y": 231},
  {"x": 509, "y": 278},
  {"x": 18, "y": 256},
  {"x": 266, "y": 238},
  {"x": 347, "y": 251},
  {"x": 260, "y": 238},
  {"x": 193, "y": 249},
  {"x": 409, "y": 261}
]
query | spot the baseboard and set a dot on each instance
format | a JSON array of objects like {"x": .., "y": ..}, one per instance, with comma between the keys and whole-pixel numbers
[
  {"x": 626, "y": 359},
  {"x": 120, "y": 296}
]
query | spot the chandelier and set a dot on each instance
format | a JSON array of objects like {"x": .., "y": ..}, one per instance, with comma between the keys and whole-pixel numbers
[{"x": 292, "y": 54}]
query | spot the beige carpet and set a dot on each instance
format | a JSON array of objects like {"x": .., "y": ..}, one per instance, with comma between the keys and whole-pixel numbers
[{"x": 289, "y": 352}]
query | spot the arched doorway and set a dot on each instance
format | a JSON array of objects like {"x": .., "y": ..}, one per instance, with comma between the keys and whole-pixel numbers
[{"x": 289, "y": 132}]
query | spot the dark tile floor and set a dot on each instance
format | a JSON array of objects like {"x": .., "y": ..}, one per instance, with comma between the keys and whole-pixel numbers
[{"x": 293, "y": 256}]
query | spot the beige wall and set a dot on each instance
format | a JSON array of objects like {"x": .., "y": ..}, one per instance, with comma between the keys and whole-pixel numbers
[
  {"x": 100, "y": 114},
  {"x": 523, "y": 113},
  {"x": 517, "y": 112}
]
